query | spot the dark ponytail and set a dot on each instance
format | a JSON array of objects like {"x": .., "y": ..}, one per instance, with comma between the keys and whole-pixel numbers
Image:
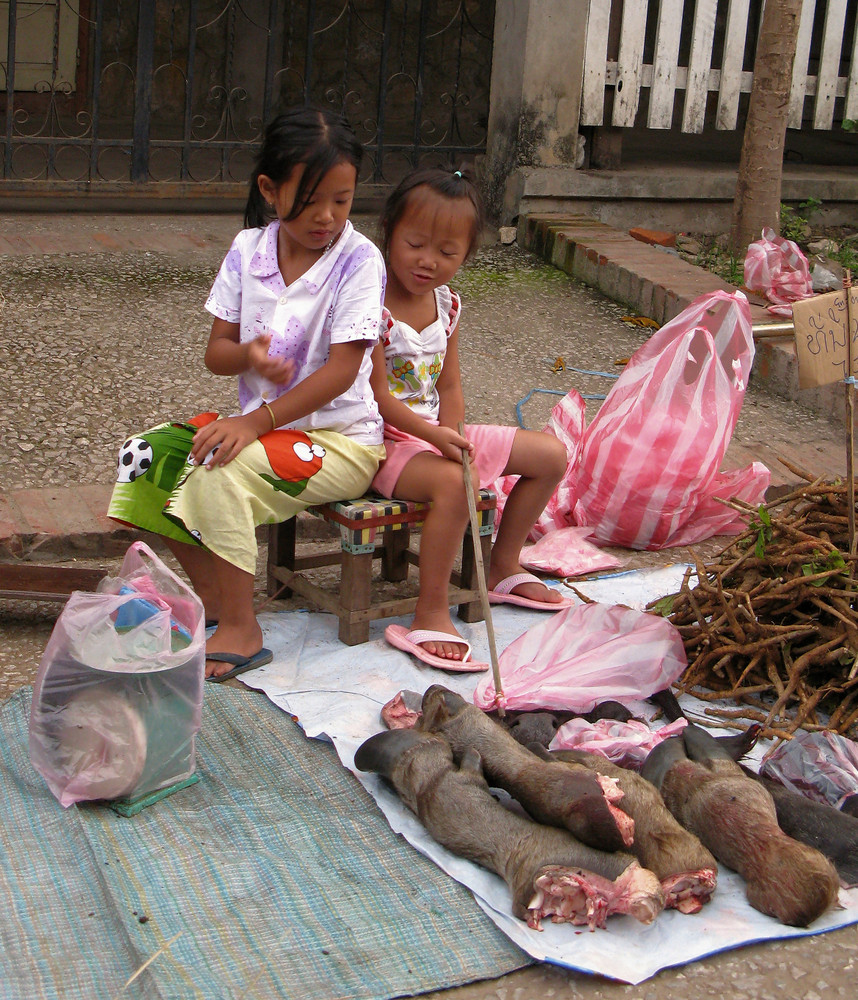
[
  {"x": 457, "y": 185},
  {"x": 318, "y": 138}
]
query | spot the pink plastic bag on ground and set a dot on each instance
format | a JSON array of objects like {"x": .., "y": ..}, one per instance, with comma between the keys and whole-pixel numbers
[
  {"x": 776, "y": 267},
  {"x": 585, "y": 655},
  {"x": 625, "y": 743},
  {"x": 650, "y": 459},
  {"x": 567, "y": 552}
]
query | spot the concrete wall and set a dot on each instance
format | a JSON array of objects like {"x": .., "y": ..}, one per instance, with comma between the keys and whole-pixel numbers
[
  {"x": 535, "y": 158},
  {"x": 535, "y": 96}
]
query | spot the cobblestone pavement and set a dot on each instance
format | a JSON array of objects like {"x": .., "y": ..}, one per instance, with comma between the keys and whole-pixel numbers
[{"x": 103, "y": 331}]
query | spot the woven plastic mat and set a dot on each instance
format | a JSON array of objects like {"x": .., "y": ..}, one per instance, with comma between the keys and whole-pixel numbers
[{"x": 274, "y": 876}]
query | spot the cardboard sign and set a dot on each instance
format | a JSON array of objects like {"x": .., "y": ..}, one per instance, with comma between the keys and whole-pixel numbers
[{"x": 820, "y": 337}]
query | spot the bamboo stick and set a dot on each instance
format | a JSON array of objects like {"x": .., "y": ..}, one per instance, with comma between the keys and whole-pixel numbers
[{"x": 481, "y": 574}]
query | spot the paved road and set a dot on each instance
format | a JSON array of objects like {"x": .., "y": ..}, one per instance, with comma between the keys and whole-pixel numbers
[{"x": 103, "y": 333}]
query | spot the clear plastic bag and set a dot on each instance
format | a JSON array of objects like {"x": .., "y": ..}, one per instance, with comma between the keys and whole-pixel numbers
[
  {"x": 117, "y": 699},
  {"x": 822, "y": 766},
  {"x": 584, "y": 655}
]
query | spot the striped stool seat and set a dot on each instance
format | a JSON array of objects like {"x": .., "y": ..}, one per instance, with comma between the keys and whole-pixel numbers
[{"x": 372, "y": 527}]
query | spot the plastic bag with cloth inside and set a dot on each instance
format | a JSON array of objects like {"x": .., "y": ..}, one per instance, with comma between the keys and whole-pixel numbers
[
  {"x": 585, "y": 655},
  {"x": 776, "y": 268},
  {"x": 649, "y": 475},
  {"x": 822, "y": 766},
  {"x": 118, "y": 695}
]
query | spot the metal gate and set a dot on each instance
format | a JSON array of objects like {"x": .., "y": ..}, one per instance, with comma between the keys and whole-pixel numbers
[
  {"x": 693, "y": 61},
  {"x": 173, "y": 94}
]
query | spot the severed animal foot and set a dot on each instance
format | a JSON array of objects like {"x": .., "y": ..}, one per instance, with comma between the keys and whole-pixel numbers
[
  {"x": 689, "y": 891},
  {"x": 576, "y": 896}
]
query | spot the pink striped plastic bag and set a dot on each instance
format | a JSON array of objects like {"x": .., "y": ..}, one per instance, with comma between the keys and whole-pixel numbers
[
  {"x": 650, "y": 459},
  {"x": 567, "y": 552},
  {"x": 627, "y": 744},
  {"x": 585, "y": 655},
  {"x": 777, "y": 268}
]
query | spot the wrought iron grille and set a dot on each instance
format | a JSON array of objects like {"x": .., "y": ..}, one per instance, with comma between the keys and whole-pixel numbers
[{"x": 160, "y": 92}]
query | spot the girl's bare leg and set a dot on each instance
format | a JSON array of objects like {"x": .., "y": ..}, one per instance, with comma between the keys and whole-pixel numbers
[
  {"x": 430, "y": 477},
  {"x": 540, "y": 460},
  {"x": 227, "y": 595}
]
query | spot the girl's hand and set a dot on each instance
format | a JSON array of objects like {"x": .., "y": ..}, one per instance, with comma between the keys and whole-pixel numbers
[
  {"x": 276, "y": 370},
  {"x": 220, "y": 441},
  {"x": 450, "y": 443}
]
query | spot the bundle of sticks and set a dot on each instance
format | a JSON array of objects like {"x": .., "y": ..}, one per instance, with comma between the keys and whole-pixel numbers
[{"x": 771, "y": 622}]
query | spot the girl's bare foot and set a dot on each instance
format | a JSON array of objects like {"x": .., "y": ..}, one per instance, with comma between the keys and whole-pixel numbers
[
  {"x": 246, "y": 641},
  {"x": 440, "y": 622}
]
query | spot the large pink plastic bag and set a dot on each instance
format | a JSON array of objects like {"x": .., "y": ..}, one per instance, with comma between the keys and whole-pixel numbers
[
  {"x": 625, "y": 743},
  {"x": 649, "y": 470},
  {"x": 822, "y": 765},
  {"x": 567, "y": 424},
  {"x": 118, "y": 695},
  {"x": 585, "y": 655},
  {"x": 567, "y": 552},
  {"x": 777, "y": 268}
]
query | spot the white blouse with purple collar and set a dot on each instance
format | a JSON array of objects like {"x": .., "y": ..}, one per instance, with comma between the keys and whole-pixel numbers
[{"x": 338, "y": 300}]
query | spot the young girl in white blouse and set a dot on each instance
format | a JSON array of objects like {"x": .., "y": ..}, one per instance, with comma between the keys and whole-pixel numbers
[
  {"x": 297, "y": 307},
  {"x": 430, "y": 225}
]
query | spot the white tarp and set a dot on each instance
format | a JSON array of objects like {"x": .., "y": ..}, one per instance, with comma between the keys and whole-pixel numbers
[{"x": 337, "y": 691}]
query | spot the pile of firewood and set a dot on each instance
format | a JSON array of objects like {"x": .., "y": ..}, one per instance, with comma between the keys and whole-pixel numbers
[{"x": 771, "y": 622}]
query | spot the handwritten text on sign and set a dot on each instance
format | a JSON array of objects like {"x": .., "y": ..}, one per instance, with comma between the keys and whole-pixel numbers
[{"x": 821, "y": 342}]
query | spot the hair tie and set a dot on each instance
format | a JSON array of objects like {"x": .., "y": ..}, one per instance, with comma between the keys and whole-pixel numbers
[{"x": 458, "y": 173}]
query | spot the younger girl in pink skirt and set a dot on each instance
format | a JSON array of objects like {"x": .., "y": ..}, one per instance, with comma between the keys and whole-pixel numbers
[{"x": 429, "y": 227}]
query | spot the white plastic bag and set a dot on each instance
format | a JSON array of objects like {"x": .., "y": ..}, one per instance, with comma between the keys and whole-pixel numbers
[
  {"x": 118, "y": 695},
  {"x": 821, "y": 765}
]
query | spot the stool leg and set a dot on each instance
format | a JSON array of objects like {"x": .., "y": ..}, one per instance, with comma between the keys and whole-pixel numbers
[
  {"x": 355, "y": 590},
  {"x": 472, "y": 611},
  {"x": 394, "y": 557},
  {"x": 281, "y": 552}
]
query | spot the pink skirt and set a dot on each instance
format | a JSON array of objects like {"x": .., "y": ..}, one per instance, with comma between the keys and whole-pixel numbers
[{"x": 492, "y": 446}]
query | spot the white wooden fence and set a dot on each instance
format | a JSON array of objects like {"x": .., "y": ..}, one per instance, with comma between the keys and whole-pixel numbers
[{"x": 825, "y": 50}]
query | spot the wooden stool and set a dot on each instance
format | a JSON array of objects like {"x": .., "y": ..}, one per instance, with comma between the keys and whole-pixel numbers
[{"x": 370, "y": 528}]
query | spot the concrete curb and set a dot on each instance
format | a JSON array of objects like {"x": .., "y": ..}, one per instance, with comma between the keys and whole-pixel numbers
[
  {"x": 55, "y": 524},
  {"x": 656, "y": 283}
]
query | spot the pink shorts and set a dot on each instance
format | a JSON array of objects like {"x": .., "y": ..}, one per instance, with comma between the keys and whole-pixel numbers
[{"x": 492, "y": 446}]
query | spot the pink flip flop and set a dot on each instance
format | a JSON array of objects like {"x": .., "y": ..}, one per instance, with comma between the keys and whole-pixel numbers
[
  {"x": 501, "y": 594},
  {"x": 400, "y": 637}
]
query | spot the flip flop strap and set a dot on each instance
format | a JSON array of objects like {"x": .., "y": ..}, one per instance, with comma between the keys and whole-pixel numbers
[
  {"x": 421, "y": 635},
  {"x": 506, "y": 586}
]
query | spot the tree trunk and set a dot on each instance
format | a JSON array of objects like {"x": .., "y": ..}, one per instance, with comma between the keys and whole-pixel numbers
[{"x": 757, "y": 203}]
